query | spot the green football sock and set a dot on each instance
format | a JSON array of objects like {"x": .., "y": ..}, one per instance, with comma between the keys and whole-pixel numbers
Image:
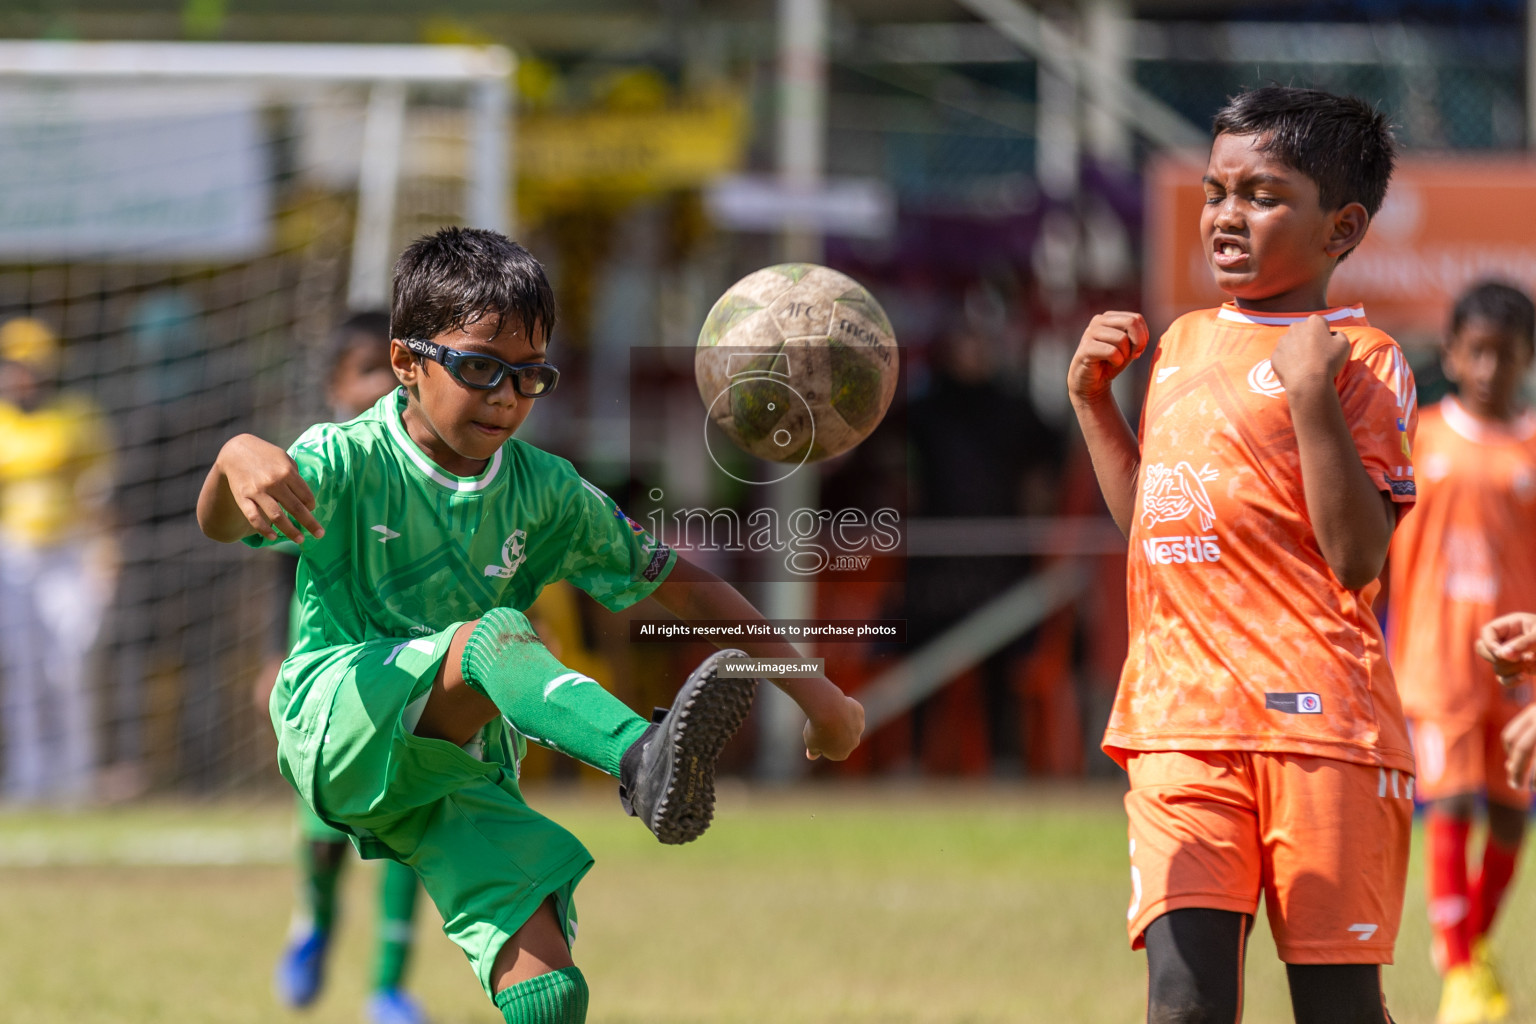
[
  {"x": 559, "y": 997},
  {"x": 322, "y": 861},
  {"x": 543, "y": 699},
  {"x": 397, "y": 905}
]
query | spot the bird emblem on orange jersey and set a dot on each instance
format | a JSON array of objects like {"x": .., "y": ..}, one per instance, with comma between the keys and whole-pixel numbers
[{"x": 1170, "y": 494}]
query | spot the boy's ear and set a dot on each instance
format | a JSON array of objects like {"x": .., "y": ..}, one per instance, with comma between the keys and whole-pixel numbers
[
  {"x": 1349, "y": 224},
  {"x": 403, "y": 362},
  {"x": 1448, "y": 361}
]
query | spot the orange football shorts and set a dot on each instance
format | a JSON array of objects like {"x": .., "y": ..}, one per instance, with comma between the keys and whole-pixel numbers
[
  {"x": 1325, "y": 841},
  {"x": 1456, "y": 756}
]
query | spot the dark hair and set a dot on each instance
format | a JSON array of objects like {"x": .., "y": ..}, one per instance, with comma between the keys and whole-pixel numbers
[
  {"x": 1342, "y": 143},
  {"x": 370, "y": 327},
  {"x": 1503, "y": 306},
  {"x": 456, "y": 276}
]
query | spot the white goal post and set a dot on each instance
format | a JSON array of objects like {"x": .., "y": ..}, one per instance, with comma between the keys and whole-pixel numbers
[{"x": 385, "y": 70}]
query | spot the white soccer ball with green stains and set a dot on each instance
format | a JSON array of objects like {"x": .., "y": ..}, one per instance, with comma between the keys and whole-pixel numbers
[{"x": 797, "y": 363}]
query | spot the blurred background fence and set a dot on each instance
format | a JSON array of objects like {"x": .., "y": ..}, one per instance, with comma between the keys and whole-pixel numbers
[{"x": 189, "y": 222}]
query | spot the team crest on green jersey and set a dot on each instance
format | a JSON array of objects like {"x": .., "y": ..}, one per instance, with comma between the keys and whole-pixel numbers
[{"x": 513, "y": 554}]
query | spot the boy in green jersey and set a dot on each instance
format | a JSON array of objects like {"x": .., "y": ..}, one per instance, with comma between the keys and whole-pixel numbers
[{"x": 426, "y": 529}]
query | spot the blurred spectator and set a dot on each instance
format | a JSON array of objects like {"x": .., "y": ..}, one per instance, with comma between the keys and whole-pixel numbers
[
  {"x": 54, "y": 474},
  {"x": 979, "y": 450}
]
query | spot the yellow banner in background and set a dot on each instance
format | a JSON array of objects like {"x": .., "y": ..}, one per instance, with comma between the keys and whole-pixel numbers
[{"x": 632, "y": 151}]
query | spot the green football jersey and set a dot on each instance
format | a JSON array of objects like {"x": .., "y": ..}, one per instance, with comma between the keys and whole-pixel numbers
[{"x": 410, "y": 549}]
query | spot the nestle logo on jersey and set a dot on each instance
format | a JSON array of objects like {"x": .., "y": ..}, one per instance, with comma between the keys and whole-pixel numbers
[
  {"x": 1179, "y": 550},
  {"x": 1171, "y": 494}
]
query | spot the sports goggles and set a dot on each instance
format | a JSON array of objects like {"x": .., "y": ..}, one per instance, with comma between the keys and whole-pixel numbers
[{"x": 485, "y": 373}]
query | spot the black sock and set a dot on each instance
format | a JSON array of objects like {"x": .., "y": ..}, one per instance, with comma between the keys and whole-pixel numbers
[
  {"x": 1195, "y": 966},
  {"x": 1337, "y": 994}
]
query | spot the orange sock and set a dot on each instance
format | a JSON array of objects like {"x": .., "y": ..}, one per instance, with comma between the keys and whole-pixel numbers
[{"x": 1445, "y": 852}]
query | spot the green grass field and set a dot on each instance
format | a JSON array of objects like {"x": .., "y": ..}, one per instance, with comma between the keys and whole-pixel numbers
[{"x": 901, "y": 904}]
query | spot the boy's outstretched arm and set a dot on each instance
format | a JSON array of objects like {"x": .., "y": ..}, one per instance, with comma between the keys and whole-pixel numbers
[
  {"x": 835, "y": 720},
  {"x": 254, "y": 487},
  {"x": 1353, "y": 519},
  {"x": 1111, "y": 343}
]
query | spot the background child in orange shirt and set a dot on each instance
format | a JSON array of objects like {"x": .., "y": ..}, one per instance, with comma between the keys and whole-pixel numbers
[
  {"x": 1462, "y": 558},
  {"x": 1256, "y": 714}
]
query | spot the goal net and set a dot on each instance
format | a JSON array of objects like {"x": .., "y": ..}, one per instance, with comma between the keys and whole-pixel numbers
[{"x": 182, "y": 227}]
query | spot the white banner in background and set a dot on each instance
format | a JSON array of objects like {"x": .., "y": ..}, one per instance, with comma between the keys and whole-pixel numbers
[
  {"x": 850, "y": 207},
  {"x": 149, "y": 172}
]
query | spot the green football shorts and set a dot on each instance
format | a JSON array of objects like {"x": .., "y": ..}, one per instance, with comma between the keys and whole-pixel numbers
[{"x": 487, "y": 859}]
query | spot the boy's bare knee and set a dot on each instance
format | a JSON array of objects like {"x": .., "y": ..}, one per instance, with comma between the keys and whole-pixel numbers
[
  {"x": 455, "y": 711},
  {"x": 327, "y": 855},
  {"x": 1506, "y": 825},
  {"x": 1461, "y": 806},
  {"x": 538, "y": 947}
]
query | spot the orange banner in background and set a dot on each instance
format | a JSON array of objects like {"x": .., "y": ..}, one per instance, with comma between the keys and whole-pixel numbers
[{"x": 1445, "y": 224}]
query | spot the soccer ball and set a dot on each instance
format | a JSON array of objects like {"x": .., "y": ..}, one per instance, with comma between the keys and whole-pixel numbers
[{"x": 796, "y": 363}]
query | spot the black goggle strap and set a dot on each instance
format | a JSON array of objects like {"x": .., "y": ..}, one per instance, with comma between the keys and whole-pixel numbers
[{"x": 425, "y": 349}]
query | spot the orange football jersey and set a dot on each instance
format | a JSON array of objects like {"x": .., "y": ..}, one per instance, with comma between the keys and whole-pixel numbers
[
  {"x": 1240, "y": 636},
  {"x": 1466, "y": 555}
]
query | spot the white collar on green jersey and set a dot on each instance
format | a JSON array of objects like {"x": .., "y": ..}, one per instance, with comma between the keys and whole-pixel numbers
[{"x": 462, "y": 484}]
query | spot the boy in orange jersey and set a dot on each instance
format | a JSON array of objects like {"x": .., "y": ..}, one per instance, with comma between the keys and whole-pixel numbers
[
  {"x": 1463, "y": 558},
  {"x": 1256, "y": 714}
]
